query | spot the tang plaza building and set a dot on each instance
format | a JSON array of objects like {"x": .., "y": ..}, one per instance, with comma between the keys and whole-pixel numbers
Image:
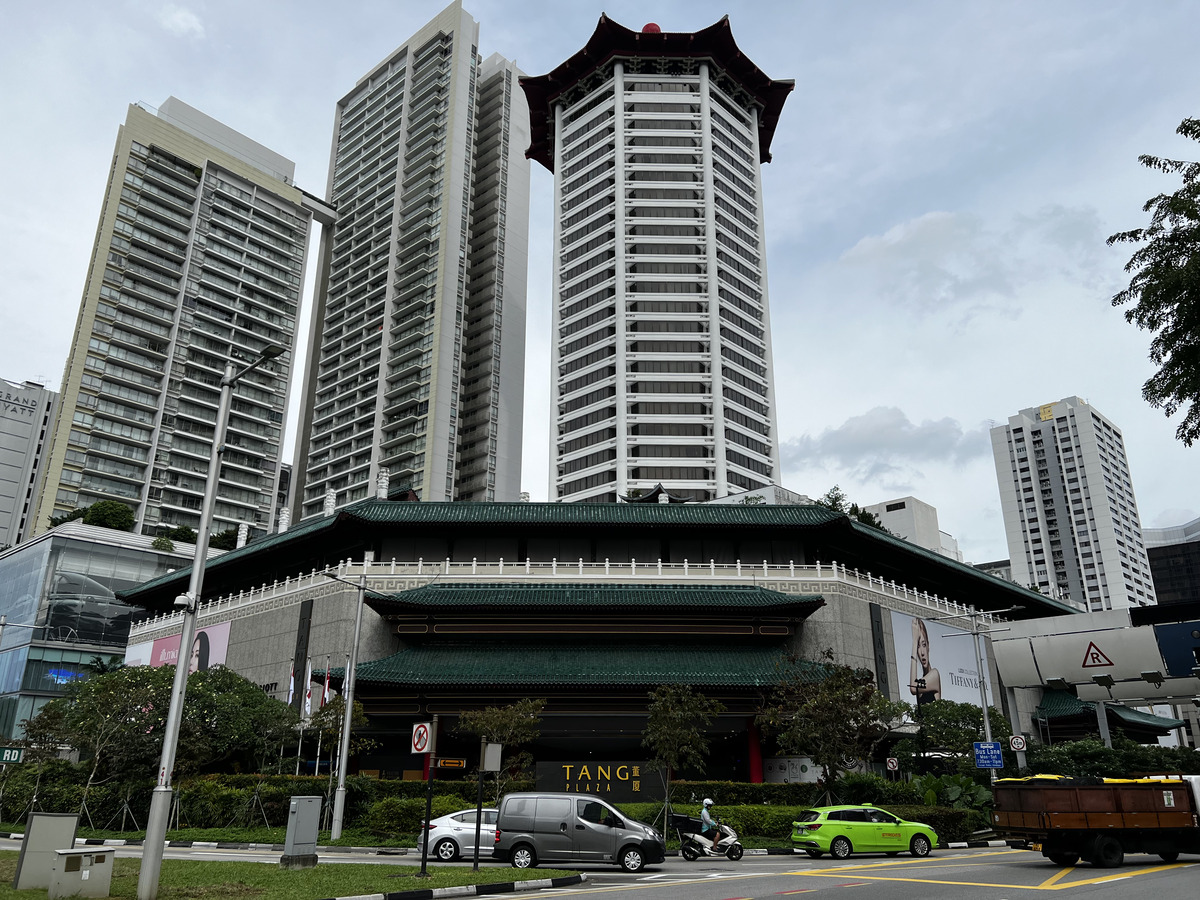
[
  {"x": 662, "y": 396},
  {"x": 590, "y": 606}
]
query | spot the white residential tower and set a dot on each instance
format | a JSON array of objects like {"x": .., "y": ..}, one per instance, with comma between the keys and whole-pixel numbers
[
  {"x": 1069, "y": 512},
  {"x": 662, "y": 351}
]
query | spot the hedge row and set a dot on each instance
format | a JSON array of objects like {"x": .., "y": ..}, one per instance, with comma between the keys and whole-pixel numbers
[{"x": 395, "y": 808}]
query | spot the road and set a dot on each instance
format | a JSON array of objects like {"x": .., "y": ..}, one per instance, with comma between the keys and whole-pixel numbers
[{"x": 985, "y": 874}]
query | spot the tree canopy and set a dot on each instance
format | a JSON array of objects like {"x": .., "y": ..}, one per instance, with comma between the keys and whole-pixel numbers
[
  {"x": 116, "y": 721},
  {"x": 835, "y": 498},
  {"x": 109, "y": 514},
  {"x": 675, "y": 727},
  {"x": 512, "y": 726},
  {"x": 832, "y": 713},
  {"x": 1165, "y": 289},
  {"x": 946, "y": 735}
]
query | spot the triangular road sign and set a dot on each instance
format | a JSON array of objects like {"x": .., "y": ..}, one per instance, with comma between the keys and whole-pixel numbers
[{"x": 1094, "y": 658}]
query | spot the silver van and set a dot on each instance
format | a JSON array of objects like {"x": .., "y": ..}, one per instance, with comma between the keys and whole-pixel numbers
[{"x": 576, "y": 828}]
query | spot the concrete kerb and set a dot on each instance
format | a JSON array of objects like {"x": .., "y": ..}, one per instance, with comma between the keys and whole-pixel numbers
[{"x": 472, "y": 890}]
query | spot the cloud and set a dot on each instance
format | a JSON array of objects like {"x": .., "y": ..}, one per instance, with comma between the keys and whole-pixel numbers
[
  {"x": 882, "y": 444},
  {"x": 179, "y": 21},
  {"x": 958, "y": 267}
]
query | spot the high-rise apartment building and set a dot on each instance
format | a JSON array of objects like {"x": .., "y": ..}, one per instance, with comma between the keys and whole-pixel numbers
[
  {"x": 1070, "y": 517},
  {"x": 416, "y": 356},
  {"x": 662, "y": 352},
  {"x": 26, "y": 416},
  {"x": 198, "y": 261}
]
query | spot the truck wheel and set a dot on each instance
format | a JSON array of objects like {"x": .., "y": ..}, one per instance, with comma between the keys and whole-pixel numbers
[
  {"x": 1063, "y": 859},
  {"x": 1169, "y": 856},
  {"x": 1107, "y": 852}
]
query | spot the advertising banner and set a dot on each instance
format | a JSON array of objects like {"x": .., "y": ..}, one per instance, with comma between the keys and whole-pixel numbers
[
  {"x": 935, "y": 662},
  {"x": 208, "y": 649}
]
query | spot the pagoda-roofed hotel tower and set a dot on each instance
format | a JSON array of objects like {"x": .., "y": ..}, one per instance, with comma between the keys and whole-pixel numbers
[{"x": 662, "y": 353}]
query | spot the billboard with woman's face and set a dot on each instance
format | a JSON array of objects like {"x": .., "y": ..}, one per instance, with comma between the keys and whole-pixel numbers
[
  {"x": 209, "y": 649},
  {"x": 935, "y": 662}
]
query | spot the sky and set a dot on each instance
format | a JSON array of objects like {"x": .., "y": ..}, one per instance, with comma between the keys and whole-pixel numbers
[{"x": 944, "y": 177}]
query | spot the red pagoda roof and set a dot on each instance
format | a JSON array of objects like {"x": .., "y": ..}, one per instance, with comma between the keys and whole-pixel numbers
[{"x": 611, "y": 40}]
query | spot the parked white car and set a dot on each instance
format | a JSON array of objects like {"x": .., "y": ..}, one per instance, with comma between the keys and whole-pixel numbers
[{"x": 453, "y": 836}]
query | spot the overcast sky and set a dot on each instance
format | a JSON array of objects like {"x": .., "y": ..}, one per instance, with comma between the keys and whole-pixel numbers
[{"x": 944, "y": 177}]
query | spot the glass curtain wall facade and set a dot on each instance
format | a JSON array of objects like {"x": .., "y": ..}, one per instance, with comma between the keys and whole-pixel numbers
[
  {"x": 416, "y": 356},
  {"x": 662, "y": 353},
  {"x": 64, "y": 584},
  {"x": 198, "y": 261}
]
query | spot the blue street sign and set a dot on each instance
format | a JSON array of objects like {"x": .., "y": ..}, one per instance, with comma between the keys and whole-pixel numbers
[{"x": 988, "y": 755}]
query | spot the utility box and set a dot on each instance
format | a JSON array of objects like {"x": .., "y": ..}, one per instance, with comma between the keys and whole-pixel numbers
[
  {"x": 304, "y": 821},
  {"x": 81, "y": 873},
  {"x": 45, "y": 833}
]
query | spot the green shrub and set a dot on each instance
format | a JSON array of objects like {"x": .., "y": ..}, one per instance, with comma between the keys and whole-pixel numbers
[
  {"x": 950, "y": 824},
  {"x": 866, "y": 788}
]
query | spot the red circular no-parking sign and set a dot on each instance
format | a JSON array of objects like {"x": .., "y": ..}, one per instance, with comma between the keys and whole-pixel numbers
[{"x": 420, "y": 737}]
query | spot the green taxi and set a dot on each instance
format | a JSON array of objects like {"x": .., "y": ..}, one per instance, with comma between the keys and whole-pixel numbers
[{"x": 842, "y": 830}]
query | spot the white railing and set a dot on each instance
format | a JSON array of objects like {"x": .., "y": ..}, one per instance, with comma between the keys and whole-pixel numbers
[{"x": 518, "y": 571}]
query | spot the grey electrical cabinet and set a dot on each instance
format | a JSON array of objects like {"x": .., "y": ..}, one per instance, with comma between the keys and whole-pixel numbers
[
  {"x": 304, "y": 821},
  {"x": 81, "y": 873}
]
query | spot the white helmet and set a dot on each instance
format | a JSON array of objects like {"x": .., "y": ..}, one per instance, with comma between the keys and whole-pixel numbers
[{"x": 707, "y": 802}]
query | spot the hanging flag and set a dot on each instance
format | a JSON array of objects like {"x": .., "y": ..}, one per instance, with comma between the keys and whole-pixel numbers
[
  {"x": 308, "y": 690},
  {"x": 325, "y": 691},
  {"x": 292, "y": 684}
]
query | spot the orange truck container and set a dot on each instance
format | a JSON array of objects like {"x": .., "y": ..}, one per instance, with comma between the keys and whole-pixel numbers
[{"x": 1100, "y": 820}]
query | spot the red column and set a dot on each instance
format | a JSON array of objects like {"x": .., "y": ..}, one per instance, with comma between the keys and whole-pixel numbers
[{"x": 754, "y": 752}]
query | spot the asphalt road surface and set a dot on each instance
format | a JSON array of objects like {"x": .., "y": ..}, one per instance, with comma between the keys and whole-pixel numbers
[{"x": 983, "y": 874}]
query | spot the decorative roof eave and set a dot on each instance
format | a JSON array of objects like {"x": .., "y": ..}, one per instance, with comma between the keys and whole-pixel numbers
[
  {"x": 653, "y": 496},
  {"x": 575, "y": 664},
  {"x": 463, "y": 597},
  {"x": 611, "y": 40},
  {"x": 1021, "y": 595},
  {"x": 371, "y": 513},
  {"x": 1064, "y": 705}
]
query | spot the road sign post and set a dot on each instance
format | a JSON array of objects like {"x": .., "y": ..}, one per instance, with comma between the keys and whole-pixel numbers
[
  {"x": 425, "y": 737},
  {"x": 1017, "y": 744}
]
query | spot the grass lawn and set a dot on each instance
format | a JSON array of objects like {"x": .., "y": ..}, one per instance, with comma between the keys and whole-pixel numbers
[{"x": 203, "y": 880}]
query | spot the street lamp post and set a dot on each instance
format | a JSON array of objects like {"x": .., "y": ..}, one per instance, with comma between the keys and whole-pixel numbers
[
  {"x": 339, "y": 796},
  {"x": 975, "y": 633},
  {"x": 160, "y": 799}
]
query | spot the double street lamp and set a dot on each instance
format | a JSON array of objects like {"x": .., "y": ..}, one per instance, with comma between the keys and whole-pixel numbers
[{"x": 160, "y": 800}]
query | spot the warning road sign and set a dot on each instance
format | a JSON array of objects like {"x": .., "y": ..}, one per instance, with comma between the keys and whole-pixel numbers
[{"x": 1094, "y": 657}]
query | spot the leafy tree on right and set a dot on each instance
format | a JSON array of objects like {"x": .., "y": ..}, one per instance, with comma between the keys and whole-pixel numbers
[{"x": 1165, "y": 288}]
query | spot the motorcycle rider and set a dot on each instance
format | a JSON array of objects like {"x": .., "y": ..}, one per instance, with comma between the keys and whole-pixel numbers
[{"x": 707, "y": 824}]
